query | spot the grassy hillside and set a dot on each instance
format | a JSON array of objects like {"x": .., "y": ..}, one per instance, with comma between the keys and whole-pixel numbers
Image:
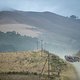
[{"x": 35, "y": 63}]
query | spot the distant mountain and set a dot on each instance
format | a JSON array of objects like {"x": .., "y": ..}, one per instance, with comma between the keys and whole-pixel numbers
[
  {"x": 59, "y": 32},
  {"x": 7, "y": 9}
]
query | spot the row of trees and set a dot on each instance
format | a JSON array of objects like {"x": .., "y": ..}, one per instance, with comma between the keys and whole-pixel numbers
[{"x": 12, "y": 41}]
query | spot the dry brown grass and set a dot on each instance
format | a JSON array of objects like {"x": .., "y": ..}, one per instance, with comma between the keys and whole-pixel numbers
[
  {"x": 31, "y": 62},
  {"x": 21, "y": 61}
]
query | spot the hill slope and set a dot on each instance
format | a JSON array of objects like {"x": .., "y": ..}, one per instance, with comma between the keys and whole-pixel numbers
[
  {"x": 33, "y": 63},
  {"x": 58, "y": 31}
]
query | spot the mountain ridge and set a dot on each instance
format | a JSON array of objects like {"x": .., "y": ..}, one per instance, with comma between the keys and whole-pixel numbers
[{"x": 59, "y": 31}]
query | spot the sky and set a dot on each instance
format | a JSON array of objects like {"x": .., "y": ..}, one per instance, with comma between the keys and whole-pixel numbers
[{"x": 62, "y": 7}]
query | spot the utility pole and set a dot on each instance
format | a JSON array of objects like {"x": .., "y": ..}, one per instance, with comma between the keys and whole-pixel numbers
[
  {"x": 47, "y": 60},
  {"x": 48, "y": 66},
  {"x": 41, "y": 44},
  {"x": 37, "y": 44},
  {"x": 41, "y": 47}
]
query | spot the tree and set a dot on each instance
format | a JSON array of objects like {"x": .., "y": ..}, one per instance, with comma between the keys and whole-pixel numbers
[
  {"x": 57, "y": 66},
  {"x": 73, "y": 17},
  {"x": 12, "y": 41}
]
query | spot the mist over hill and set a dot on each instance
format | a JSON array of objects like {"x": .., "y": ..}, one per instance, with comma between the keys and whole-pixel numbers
[
  {"x": 61, "y": 34},
  {"x": 78, "y": 53}
]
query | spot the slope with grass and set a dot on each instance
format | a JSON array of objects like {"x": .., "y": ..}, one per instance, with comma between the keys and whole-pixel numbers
[{"x": 34, "y": 63}]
